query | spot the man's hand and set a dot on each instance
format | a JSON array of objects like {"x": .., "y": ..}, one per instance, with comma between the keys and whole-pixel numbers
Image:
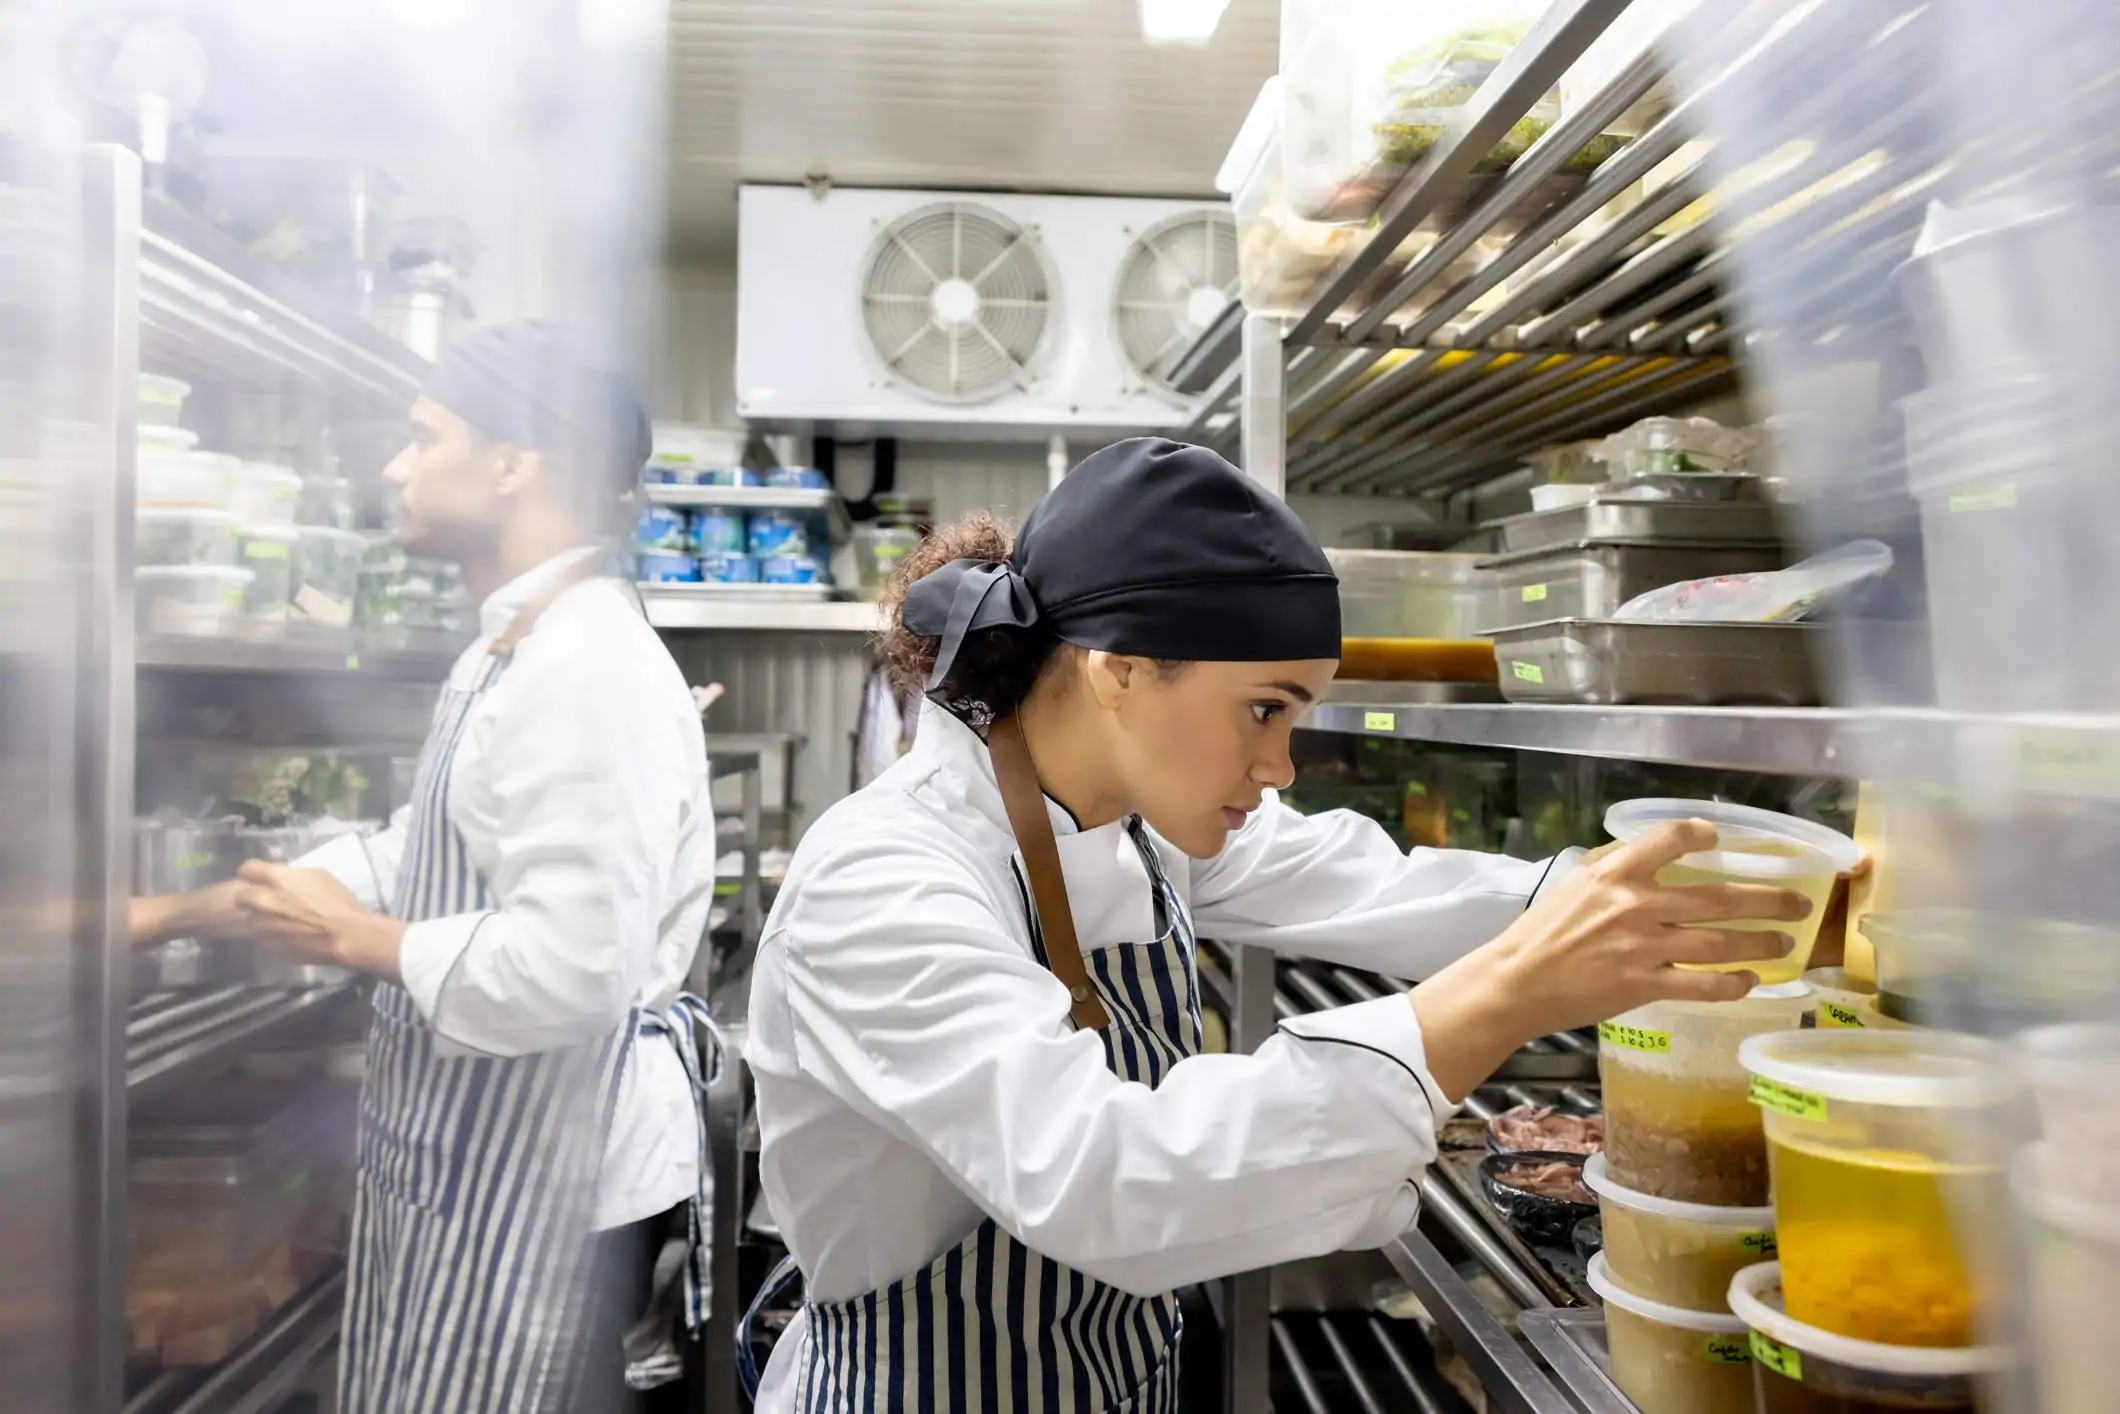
[{"x": 312, "y": 916}]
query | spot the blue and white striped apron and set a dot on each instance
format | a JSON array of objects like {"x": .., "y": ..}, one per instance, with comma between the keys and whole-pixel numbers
[
  {"x": 467, "y": 1269},
  {"x": 991, "y": 1327}
]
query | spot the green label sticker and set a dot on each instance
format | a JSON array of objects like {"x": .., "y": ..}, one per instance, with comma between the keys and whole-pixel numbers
[
  {"x": 1534, "y": 593},
  {"x": 206, "y": 860},
  {"x": 2077, "y": 761},
  {"x": 265, "y": 550},
  {"x": 1633, "y": 1038},
  {"x": 1777, "y": 1357},
  {"x": 2001, "y": 496},
  {"x": 1726, "y": 1350},
  {"x": 1380, "y": 721},
  {"x": 295, "y": 1182},
  {"x": 1759, "y": 1244},
  {"x": 353, "y": 662},
  {"x": 1527, "y": 672},
  {"x": 1787, "y": 1099},
  {"x": 1834, "y": 1016},
  {"x": 1416, "y": 788}
]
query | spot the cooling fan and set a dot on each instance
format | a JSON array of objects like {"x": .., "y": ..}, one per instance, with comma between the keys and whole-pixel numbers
[
  {"x": 957, "y": 301},
  {"x": 1177, "y": 277}
]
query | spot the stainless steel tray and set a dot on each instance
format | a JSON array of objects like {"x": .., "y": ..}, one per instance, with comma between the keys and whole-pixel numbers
[
  {"x": 1610, "y": 662},
  {"x": 1590, "y": 579},
  {"x": 1722, "y": 522}
]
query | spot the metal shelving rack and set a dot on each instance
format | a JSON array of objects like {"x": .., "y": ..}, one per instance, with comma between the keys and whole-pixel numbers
[{"x": 1420, "y": 395}]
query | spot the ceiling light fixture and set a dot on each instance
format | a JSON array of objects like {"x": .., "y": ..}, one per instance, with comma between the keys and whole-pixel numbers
[{"x": 1180, "y": 21}]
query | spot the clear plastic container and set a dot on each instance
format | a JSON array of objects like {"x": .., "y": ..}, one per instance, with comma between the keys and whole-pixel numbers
[
  {"x": 158, "y": 437},
  {"x": 326, "y": 501},
  {"x": 183, "y": 535},
  {"x": 1800, "y": 1369},
  {"x": 1870, "y": 1135},
  {"x": 878, "y": 550},
  {"x": 199, "y": 599},
  {"x": 1837, "y": 998},
  {"x": 2070, "y": 1071},
  {"x": 268, "y": 552},
  {"x": 1672, "y": 1361},
  {"x": 1753, "y": 846},
  {"x": 327, "y": 573},
  {"x": 1682, "y": 1254},
  {"x": 1406, "y": 593},
  {"x": 174, "y": 478},
  {"x": 2072, "y": 1252},
  {"x": 1679, "y": 1123},
  {"x": 264, "y": 495},
  {"x": 161, "y": 400},
  {"x": 1664, "y": 445},
  {"x": 1989, "y": 972}
]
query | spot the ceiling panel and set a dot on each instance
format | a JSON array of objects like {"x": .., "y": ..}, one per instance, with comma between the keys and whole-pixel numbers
[{"x": 1055, "y": 95}]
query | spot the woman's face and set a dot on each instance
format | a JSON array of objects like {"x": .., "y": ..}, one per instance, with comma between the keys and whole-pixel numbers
[{"x": 1194, "y": 748}]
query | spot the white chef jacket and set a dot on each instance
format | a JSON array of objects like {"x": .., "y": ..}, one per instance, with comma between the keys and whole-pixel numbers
[
  {"x": 916, "y": 1069},
  {"x": 580, "y": 788}
]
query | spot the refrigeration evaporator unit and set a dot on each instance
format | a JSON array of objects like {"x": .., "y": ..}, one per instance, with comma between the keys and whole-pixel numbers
[{"x": 986, "y": 315}]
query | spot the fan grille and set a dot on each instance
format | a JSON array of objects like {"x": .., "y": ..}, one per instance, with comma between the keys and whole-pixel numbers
[
  {"x": 1177, "y": 277},
  {"x": 956, "y": 301}
]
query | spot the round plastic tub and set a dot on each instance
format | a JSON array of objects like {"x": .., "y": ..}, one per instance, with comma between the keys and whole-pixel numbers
[
  {"x": 1800, "y": 1369},
  {"x": 2070, "y": 1072},
  {"x": 2072, "y": 1253},
  {"x": 264, "y": 495},
  {"x": 793, "y": 569},
  {"x": 155, "y": 437},
  {"x": 327, "y": 571},
  {"x": 1989, "y": 972},
  {"x": 268, "y": 553},
  {"x": 718, "y": 532},
  {"x": 1682, "y": 1254},
  {"x": 173, "y": 478},
  {"x": 1671, "y": 1361},
  {"x": 161, "y": 400},
  {"x": 199, "y": 599},
  {"x": 183, "y": 535},
  {"x": 1752, "y": 847},
  {"x": 326, "y": 500},
  {"x": 1869, "y": 1134},
  {"x": 660, "y": 567},
  {"x": 1837, "y": 998},
  {"x": 663, "y": 531},
  {"x": 779, "y": 533},
  {"x": 728, "y": 569},
  {"x": 1679, "y": 1122}
]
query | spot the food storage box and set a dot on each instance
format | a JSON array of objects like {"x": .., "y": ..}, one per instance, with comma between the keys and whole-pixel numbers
[
  {"x": 179, "y": 535},
  {"x": 1405, "y": 593},
  {"x": 1602, "y": 517},
  {"x": 1798, "y": 1368},
  {"x": 1869, "y": 1135},
  {"x": 1991, "y": 973},
  {"x": 1679, "y": 1122},
  {"x": 1682, "y": 1254},
  {"x": 878, "y": 551},
  {"x": 268, "y": 552},
  {"x": 663, "y": 530},
  {"x": 793, "y": 569},
  {"x": 1610, "y": 662},
  {"x": 327, "y": 574},
  {"x": 1753, "y": 846},
  {"x": 197, "y": 599},
  {"x": 1658, "y": 446},
  {"x": 155, "y": 437},
  {"x": 1590, "y": 579},
  {"x": 2070, "y": 1072},
  {"x": 661, "y": 567},
  {"x": 779, "y": 533},
  {"x": 1673, "y": 1361},
  {"x": 727, "y": 569},
  {"x": 160, "y": 400},
  {"x": 165, "y": 478},
  {"x": 1837, "y": 998},
  {"x": 2071, "y": 1243},
  {"x": 719, "y": 532},
  {"x": 326, "y": 501},
  {"x": 261, "y": 494}
]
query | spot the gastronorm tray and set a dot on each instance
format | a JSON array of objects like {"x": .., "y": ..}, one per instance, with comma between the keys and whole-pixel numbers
[
  {"x": 1610, "y": 662},
  {"x": 1741, "y": 522},
  {"x": 1591, "y": 579}
]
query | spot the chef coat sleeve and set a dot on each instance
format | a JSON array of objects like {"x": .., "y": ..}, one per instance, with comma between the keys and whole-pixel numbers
[
  {"x": 911, "y": 1002},
  {"x": 366, "y": 864},
  {"x": 587, "y": 783},
  {"x": 1334, "y": 887}
]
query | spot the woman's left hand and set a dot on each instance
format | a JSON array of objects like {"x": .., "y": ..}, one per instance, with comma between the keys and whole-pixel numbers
[{"x": 312, "y": 916}]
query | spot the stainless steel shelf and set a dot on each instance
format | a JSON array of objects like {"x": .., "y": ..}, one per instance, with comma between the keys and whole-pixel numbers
[
  {"x": 754, "y": 498},
  {"x": 1514, "y": 1380},
  {"x": 169, "y": 1041},
  {"x": 303, "y": 655},
  {"x": 265, "y": 1369},
  {"x": 692, "y": 608}
]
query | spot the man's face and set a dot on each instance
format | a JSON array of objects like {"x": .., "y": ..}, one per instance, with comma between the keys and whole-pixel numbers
[{"x": 453, "y": 485}]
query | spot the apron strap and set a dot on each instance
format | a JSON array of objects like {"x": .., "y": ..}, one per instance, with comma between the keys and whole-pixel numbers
[
  {"x": 526, "y": 617},
  {"x": 1025, "y": 802}
]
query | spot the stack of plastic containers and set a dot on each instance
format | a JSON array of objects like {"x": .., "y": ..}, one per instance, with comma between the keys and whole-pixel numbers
[
  {"x": 1683, "y": 1181},
  {"x": 1880, "y": 1181},
  {"x": 722, "y": 545}
]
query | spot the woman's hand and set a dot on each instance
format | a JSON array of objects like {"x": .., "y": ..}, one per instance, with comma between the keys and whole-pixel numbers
[
  {"x": 315, "y": 918},
  {"x": 1605, "y": 940}
]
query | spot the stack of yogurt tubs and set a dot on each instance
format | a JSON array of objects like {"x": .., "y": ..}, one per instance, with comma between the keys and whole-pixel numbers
[
  {"x": 723, "y": 545},
  {"x": 1683, "y": 1183},
  {"x": 228, "y": 547}
]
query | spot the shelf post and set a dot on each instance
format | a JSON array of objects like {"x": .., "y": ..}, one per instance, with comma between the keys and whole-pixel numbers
[{"x": 1247, "y": 1314}]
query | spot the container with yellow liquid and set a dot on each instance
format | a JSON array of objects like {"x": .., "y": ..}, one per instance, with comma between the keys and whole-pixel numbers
[
  {"x": 1752, "y": 847},
  {"x": 1874, "y": 1139},
  {"x": 1669, "y": 1360},
  {"x": 1837, "y": 998}
]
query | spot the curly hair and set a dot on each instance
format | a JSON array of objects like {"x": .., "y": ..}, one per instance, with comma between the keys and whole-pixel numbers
[{"x": 996, "y": 668}]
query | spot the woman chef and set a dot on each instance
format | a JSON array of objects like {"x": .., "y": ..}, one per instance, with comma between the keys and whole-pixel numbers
[
  {"x": 529, "y": 1129},
  {"x": 990, "y": 1138}
]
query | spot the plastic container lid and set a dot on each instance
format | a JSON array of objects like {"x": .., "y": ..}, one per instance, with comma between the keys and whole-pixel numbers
[
  {"x": 160, "y": 437},
  {"x": 1755, "y": 1296},
  {"x": 1707, "y": 1214},
  {"x": 155, "y": 388},
  {"x": 183, "y": 515},
  {"x": 329, "y": 532},
  {"x": 272, "y": 530},
  {"x": 224, "y": 574},
  {"x": 1913, "y": 1069},
  {"x": 279, "y": 475},
  {"x": 1612, "y": 1294},
  {"x": 2072, "y": 1213},
  {"x": 1631, "y": 818}
]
